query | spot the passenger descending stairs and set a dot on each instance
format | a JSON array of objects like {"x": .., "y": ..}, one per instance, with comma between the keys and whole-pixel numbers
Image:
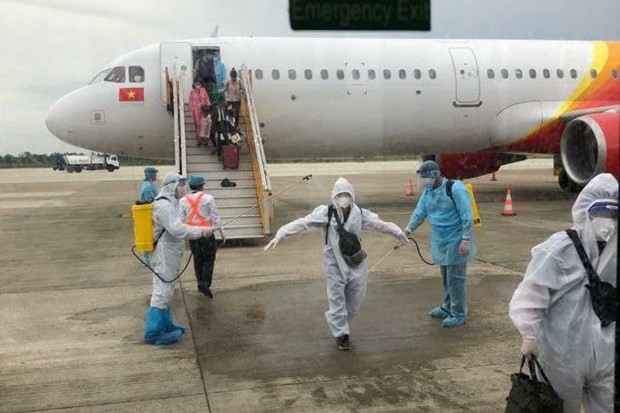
[{"x": 252, "y": 180}]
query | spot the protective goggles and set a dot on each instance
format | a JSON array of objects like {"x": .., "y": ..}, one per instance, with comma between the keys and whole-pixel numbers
[
  {"x": 428, "y": 174},
  {"x": 604, "y": 209}
]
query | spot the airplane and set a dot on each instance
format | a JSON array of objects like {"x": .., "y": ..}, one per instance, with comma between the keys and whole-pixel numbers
[{"x": 473, "y": 105}]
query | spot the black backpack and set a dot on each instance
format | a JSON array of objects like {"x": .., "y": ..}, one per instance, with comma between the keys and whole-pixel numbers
[
  {"x": 349, "y": 244},
  {"x": 602, "y": 294}
]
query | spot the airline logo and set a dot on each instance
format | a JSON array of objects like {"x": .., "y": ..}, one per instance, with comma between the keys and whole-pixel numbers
[{"x": 131, "y": 94}]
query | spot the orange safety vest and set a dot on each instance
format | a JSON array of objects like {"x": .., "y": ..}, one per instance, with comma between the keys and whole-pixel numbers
[{"x": 195, "y": 219}]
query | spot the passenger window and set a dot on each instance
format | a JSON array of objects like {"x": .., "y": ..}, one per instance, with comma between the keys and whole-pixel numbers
[
  {"x": 573, "y": 73},
  {"x": 356, "y": 74},
  {"x": 432, "y": 74},
  {"x": 593, "y": 73},
  {"x": 532, "y": 73},
  {"x": 490, "y": 74},
  {"x": 546, "y": 73},
  {"x": 136, "y": 74},
  {"x": 560, "y": 73},
  {"x": 116, "y": 75},
  {"x": 259, "y": 74},
  {"x": 372, "y": 74},
  {"x": 275, "y": 74},
  {"x": 614, "y": 73},
  {"x": 340, "y": 74},
  {"x": 387, "y": 74},
  {"x": 402, "y": 74},
  {"x": 417, "y": 74},
  {"x": 519, "y": 74},
  {"x": 505, "y": 73},
  {"x": 324, "y": 74},
  {"x": 292, "y": 74},
  {"x": 308, "y": 74}
]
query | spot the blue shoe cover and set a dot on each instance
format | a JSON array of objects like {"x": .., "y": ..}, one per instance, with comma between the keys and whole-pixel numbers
[
  {"x": 157, "y": 330},
  {"x": 453, "y": 322},
  {"x": 170, "y": 326},
  {"x": 438, "y": 312}
]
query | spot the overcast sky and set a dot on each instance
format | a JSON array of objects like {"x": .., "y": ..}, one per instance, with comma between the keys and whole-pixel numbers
[{"x": 50, "y": 47}]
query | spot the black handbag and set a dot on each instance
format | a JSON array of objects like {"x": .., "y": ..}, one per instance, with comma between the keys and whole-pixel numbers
[{"x": 531, "y": 395}]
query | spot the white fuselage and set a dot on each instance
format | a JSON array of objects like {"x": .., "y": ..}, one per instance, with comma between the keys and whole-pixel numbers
[{"x": 448, "y": 100}]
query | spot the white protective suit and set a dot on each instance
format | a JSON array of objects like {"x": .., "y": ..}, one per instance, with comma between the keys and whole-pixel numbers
[
  {"x": 167, "y": 256},
  {"x": 553, "y": 307},
  {"x": 346, "y": 286}
]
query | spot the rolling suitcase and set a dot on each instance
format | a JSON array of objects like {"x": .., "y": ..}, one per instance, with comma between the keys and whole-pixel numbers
[{"x": 230, "y": 156}]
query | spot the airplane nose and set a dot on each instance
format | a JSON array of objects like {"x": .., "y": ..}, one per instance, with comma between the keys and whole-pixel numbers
[{"x": 58, "y": 120}]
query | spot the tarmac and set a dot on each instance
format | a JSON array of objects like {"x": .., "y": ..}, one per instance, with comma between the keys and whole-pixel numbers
[{"x": 74, "y": 299}]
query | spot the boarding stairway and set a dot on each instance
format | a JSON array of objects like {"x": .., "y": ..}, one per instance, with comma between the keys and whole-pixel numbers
[{"x": 253, "y": 184}]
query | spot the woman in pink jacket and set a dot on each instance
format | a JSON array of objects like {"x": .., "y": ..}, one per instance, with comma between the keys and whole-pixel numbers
[{"x": 198, "y": 98}]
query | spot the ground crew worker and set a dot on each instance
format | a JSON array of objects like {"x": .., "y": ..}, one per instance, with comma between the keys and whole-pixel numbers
[
  {"x": 448, "y": 207},
  {"x": 198, "y": 210},
  {"x": 553, "y": 306},
  {"x": 148, "y": 189},
  {"x": 148, "y": 192},
  {"x": 170, "y": 233},
  {"x": 346, "y": 281}
]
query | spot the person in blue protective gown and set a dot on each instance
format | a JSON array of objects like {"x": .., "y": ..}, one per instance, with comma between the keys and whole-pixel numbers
[
  {"x": 170, "y": 233},
  {"x": 552, "y": 307},
  {"x": 346, "y": 284},
  {"x": 452, "y": 245},
  {"x": 220, "y": 72},
  {"x": 148, "y": 192},
  {"x": 148, "y": 189}
]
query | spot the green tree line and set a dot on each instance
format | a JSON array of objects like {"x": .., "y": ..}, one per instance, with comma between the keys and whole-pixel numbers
[{"x": 32, "y": 160}]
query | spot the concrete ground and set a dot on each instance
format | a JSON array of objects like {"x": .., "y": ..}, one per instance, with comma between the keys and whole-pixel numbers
[{"x": 73, "y": 304}]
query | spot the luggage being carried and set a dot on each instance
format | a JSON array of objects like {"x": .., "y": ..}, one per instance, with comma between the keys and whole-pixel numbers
[
  {"x": 230, "y": 156},
  {"x": 530, "y": 394}
]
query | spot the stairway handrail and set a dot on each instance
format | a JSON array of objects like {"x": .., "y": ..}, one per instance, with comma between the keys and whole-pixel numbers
[
  {"x": 260, "y": 153},
  {"x": 175, "y": 106},
  {"x": 181, "y": 100}
]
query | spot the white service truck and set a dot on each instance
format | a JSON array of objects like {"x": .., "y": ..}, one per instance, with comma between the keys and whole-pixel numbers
[{"x": 92, "y": 162}]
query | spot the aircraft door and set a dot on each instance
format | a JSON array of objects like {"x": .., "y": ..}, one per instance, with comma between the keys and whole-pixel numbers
[
  {"x": 467, "y": 77},
  {"x": 177, "y": 57}
]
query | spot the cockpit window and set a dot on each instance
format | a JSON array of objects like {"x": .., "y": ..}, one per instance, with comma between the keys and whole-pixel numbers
[
  {"x": 116, "y": 75},
  {"x": 136, "y": 74},
  {"x": 99, "y": 77}
]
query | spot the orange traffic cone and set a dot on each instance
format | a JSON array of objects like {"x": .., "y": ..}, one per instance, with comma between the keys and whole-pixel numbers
[
  {"x": 409, "y": 189},
  {"x": 508, "y": 205},
  {"x": 493, "y": 179}
]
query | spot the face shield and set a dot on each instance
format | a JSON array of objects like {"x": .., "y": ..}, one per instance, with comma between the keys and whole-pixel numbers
[
  {"x": 181, "y": 188},
  {"x": 427, "y": 179},
  {"x": 603, "y": 217}
]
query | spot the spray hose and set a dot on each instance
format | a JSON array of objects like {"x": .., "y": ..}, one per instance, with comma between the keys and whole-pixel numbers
[
  {"x": 133, "y": 251},
  {"x": 219, "y": 227},
  {"x": 398, "y": 246}
]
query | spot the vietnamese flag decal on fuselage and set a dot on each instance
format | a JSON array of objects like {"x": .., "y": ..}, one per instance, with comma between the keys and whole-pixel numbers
[{"x": 131, "y": 94}]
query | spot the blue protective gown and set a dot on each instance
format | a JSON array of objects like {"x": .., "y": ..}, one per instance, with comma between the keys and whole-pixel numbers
[
  {"x": 148, "y": 191},
  {"x": 448, "y": 224}
]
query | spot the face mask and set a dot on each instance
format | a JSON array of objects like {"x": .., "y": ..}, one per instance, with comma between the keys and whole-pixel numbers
[
  {"x": 426, "y": 183},
  {"x": 604, "y": 228},
  {"x": 343, "y": 201}
]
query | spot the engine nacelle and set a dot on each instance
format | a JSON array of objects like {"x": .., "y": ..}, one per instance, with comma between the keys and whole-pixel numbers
[
  {"x": 590, "y": 146},
  {"x": 471, "y": 165}
]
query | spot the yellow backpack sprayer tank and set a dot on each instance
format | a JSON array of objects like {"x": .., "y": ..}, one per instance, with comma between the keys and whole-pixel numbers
[{"x": 143, "y": 227}]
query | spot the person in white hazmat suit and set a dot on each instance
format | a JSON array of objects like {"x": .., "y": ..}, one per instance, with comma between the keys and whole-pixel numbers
[
  {"x": 346, "y": 284},
  {"x": 552, "y": 308},
  {"x": 170, "y": 233}
]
